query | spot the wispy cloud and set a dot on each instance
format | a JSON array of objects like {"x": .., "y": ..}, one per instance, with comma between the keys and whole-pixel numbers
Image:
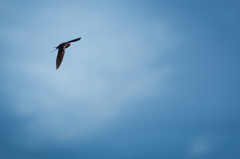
[
  {"x": 108, "y": 68},
  {"x": 145, "y": 78},
  {"x": 200, "y": 147}
]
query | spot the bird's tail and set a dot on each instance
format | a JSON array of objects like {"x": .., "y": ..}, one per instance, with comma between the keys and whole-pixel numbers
[{"x": 54, "y": 49}]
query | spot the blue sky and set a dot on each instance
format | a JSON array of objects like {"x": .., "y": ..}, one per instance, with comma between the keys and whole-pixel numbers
[{"x": 148, "y": 79}]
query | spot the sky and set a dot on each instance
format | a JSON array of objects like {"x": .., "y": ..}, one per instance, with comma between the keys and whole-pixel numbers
[{"x": 149, "y": 79}]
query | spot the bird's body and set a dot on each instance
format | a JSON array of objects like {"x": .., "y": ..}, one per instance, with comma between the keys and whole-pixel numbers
[{"x": 61, "y": 50}]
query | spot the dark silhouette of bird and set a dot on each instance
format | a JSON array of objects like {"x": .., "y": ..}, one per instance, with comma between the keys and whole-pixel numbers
[{"x": 61, "y": 50}]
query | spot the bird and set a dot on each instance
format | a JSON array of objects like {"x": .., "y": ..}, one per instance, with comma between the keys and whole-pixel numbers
[{"x": 61, "y": 50}]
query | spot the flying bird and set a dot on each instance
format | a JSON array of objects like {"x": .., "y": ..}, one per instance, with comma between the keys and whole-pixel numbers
[{"x": 61, "y": 50}]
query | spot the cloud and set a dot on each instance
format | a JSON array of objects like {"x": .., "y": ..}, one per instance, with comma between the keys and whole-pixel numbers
[
  {"x": 131, "y": 86},
  {"x": 108, "y": 68},
  {"x": 200, "y": 147}
]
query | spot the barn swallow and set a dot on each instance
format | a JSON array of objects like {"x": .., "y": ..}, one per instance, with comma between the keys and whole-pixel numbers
[{"x": 61, "y": 50}]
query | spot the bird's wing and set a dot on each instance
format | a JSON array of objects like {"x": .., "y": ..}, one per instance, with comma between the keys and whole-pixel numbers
[
  {"x": 61, "y": 51},
  {"x": 73, "y": 40}
]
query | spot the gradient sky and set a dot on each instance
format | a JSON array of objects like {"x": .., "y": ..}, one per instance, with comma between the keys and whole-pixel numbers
[{"x": 149, "y": 79}]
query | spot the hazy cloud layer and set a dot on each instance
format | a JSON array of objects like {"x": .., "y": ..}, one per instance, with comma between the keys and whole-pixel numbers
[{"x": 147, "y": 80}]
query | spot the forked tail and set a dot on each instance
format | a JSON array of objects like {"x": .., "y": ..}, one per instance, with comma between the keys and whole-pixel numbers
[{"x": 55, "y": 49}]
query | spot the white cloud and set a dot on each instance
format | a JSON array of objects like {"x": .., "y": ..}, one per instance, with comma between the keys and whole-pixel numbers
[
  {"x": 200, "y": 147},
  {"x": 102, "y": 72}
]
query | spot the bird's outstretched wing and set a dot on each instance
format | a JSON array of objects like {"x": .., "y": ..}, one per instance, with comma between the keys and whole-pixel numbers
[
  {"x": 73, "y": 40},
  {"x": 61, "y": 51}
]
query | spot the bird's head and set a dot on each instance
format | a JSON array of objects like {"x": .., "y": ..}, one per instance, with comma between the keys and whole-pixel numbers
[{"x": 68, "y": 44}]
